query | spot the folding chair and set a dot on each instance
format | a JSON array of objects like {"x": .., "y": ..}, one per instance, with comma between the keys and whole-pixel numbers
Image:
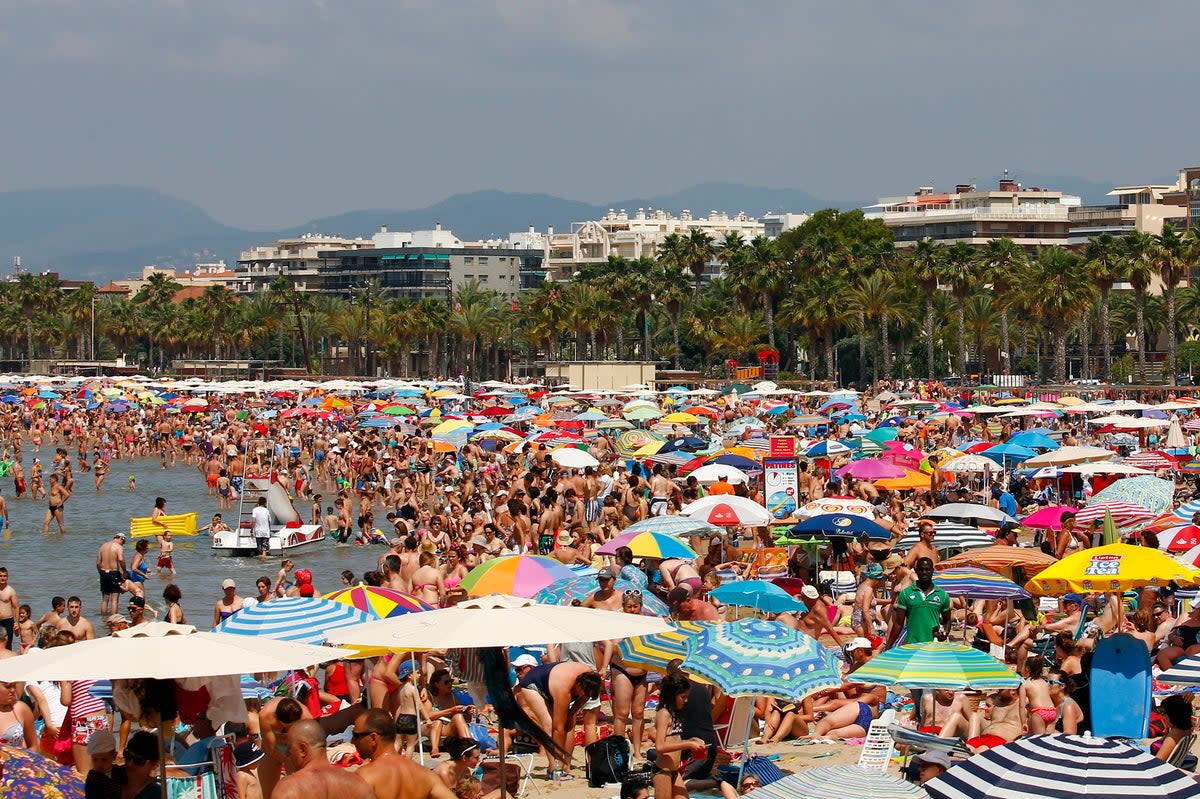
[
  {"x": 734, "y": 733},
  {"x": 879, "y": 746},
  {"x": 840, "y": 582}
]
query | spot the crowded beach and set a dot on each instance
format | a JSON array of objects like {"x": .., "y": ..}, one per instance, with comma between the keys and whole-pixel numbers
[{"x": 745, "y": 589}]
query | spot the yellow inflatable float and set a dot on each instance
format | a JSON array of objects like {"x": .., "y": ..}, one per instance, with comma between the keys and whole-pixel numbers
[{"x": 178, "y": 524}]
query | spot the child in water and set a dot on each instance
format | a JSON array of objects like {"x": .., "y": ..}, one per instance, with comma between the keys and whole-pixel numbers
[{"x": 132, "y": 483}]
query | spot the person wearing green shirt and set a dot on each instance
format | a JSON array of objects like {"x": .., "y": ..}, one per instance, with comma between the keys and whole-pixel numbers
[{"x": 924, "y": 606}]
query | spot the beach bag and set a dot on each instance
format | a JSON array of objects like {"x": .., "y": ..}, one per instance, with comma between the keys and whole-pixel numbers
[
  {"x": 607, "y": 761},
  {"x": 766, "y": 770},
  {"x": 482, "y": 736}
]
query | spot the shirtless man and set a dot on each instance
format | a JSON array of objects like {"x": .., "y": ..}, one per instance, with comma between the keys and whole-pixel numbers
[
  {"x": 552, "y": 695},
  {"x": 275, "y": 721},
  {"x": 863, "y": 615},
  {"x": 110, "y": 563},
  {"x": 55, "y": 499},
  {"x": 410, "y": 561},
  {"x": 607, "y": 597},
  {"x": 389, "y": 773},
  {"x": 9, "y": 606},
  {"x": 660, "y": 491},
  {"x": 390, "y": 566},
  {"x": 1000, "y": 721},
  {"x": 74, "y": 622},
  {"x": 312, "y": 775},
  {"x": 924, "y": 547}
]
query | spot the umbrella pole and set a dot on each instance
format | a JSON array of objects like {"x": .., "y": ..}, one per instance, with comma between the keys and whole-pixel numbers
[
  {"x": 162, "y": 758},
  {"x": 417, "y": 703},
  {"x": 503, "y": 756},
  {"x": 745, "y": 747}
]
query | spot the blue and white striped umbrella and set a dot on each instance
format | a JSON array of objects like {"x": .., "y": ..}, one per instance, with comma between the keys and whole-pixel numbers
[
  {"x": 1063, "y": 767},
  {"x": 755, "y": 657},
  {"x": 293, "y": 618},
  {"x": 673, "y": 525}
]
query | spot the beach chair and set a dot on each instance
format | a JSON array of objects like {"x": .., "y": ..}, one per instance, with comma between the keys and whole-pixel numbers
[
  {"x": 840, "y": 582},
  {"x": 878, "y": 747},
  {"x": 518, "y": 772},
  {"x": 926, "y": 742},
  {"x": 732, "y": 734},
  {"x": 1181, "y": 753}
]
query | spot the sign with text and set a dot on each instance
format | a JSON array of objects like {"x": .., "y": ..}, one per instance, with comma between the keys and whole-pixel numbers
[
  {"x": 782, "y": 486},
  {"x": 782, "y": 447}
]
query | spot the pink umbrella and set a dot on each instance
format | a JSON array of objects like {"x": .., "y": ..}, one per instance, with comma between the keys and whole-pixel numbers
[
  {"x": 870, "y": 469},
  {"x": 902, "y": 454},
  {"x": 1047, "y": 518}
]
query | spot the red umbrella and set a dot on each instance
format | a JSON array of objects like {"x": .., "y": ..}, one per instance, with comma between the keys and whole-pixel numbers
[
  {"x": 495, "y": 410},
  {"x": 1180, "y": 539},
  {"x": 1151, "y": 459}
]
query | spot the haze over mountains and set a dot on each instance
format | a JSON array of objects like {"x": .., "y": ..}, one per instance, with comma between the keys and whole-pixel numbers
[{"x": 106, "y": 232}]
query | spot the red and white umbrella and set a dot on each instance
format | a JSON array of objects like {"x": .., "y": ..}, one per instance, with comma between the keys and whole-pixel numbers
[
  {"x": 1179, "y": 539},
  {"x": 1190, "y": 558},
  {"x": 1124, "y": 514},
  {"x": 724, "y": 510},
  {"x": 1151, "y": 459}
]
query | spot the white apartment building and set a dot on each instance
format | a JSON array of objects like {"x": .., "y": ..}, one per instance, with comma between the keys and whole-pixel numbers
[
  {"x": 1134, "y": 208},
  {"x": 1032, "y": 217},
  {"x": 298, "y": 258},
  {"x": 631, "y": 237}
]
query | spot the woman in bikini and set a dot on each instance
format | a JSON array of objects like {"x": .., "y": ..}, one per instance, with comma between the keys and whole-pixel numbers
[
  {"x": 453, "y": 571},
  {"x": 629, "y": 684},
  {"x": 1035, "y": 696},
  {"x": 427, "y": 580},
  {"x": 669, "y": 745}
]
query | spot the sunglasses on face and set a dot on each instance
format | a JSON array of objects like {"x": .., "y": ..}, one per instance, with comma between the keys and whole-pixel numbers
[{"x": 135, "y": 760}]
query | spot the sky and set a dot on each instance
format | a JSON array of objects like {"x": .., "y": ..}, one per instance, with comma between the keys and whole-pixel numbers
[{"x": 268, "y": 113}]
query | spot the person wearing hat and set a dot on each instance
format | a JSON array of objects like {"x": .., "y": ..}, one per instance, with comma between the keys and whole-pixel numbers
[
  {"x": 246, "y": 756},
  {"x": 863, "y": 617},
  {"x": 110, "y": 563},
  {"x": 117, "y": 622},
  {"x": 137, "y": 610},
  {"x": 1073, "y": 607},
  {"x": 931, "y": 764},
  {"x": 100, "y": 782},
  {"x": 229, "y": 603},
  {"x": 606, "y": 597}
]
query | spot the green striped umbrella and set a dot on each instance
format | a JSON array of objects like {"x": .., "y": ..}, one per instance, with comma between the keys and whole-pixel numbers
[
  {"x": 938, "y": 664},
  {"x": 755, "y": 657}
]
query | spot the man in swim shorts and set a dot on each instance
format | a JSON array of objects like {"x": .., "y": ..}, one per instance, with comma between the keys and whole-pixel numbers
[{"x": 110, "y": 563}]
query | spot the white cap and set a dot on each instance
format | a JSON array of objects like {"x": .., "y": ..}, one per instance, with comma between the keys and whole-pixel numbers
[
  {"x": 229, "y": 583},
  {"x": 524, "y": 660},
  {"x": 810, "y": 592},
  {"x": 858, "y": 643}
]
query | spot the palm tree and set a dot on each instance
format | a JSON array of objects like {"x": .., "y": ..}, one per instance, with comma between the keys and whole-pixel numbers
[
  {"x": 925, "y": 262},
  {"x": 981, "y": 323},
  {"x": 77, "y": 309},
  {"x": 768, "y": 277},
  {"x": 699, "y": 249},
  {"x": 880, "y": 298},
  {"x": 958, "y": 270},
  {"x": 1171, "y": 264},
  {"x": 1004, "y": 260},
  {"x": 284, "y": 293},
  {"x": 217, "y": 306},
  {"x": 1137, "y": 252},
  {"x": 1105, "y": 267},
  {"x": 671, "y": 294},
  {"x": 1059, "y": 285}
]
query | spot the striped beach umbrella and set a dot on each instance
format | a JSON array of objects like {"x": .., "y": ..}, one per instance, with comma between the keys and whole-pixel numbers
[
  {"x": 949, "y": 537},
  {"x": 976, "y": 583},
  {"x": 649, "y": 544},
  {"x": 1146, "y": 491},
  {"x": 755, "y": 657},
  {"x": 938, "y": 664},
  {"x": 293, "y": 618},
  {"x": 655, "y": 651},
  {"x": 581, "y": 587},
  {"x": 673, "y": 525},
  {"x": 1001, "y": 557},
  {"x": 1185, "y": 672},
  {"x": 631, "y": 441},
  {"x": 517, "y": 575},
  {"x": 1063, "y": 766},
  {"x": 1150, "y": 459},
  {"x": 839, "y": 782},
  {"x": 378, "y": 602},
  {"x": 1124, "y": 514}
]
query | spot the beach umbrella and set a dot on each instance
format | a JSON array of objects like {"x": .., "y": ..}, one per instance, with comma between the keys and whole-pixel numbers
[
  {"x": 1152, "y": 460},
  {"x": 755, "y": 657},
  {"x": 1187, "y": 510},
  {"x": 968, "y": 464},
  {"x": 910, "y": 481},
  {"x": 827, "y": 505},
  {"x": 842, "y": 525},
  {"x": 726, "y": 510},
  {"x": 1184, "y": 672},
  {"x": 292, "y": 618},
  {"x": 378, "y": 602},
  {"x": 975, "y": 583},
  {"x": 1062, "y": 766},
  {"x": 1008, "y": 453},
  {"x": 573, "y": 458},
  {"x": 949, "y": 536},
  {"x": 1069, "y": 456},
  {"x": 937, "y": 664},
  {"x": 165, "y": 651},
  {"x": 827, "y": 449},
  {"x": 838, "y": 782},
  {"x": 565, "y": 591},
  {"x": 680, "y": 418},
  {"x": 1115, "y": 567},
  {"x": 1033, "y": 440},
  {"x": 519, "y": 575},
  {"x": 674, "y": 525},
  {"x": 870, "y": 469},
  {"x": 1124, "y": 514},
  {"x": 642, "y": 413},
  {"x": 971, "y": 512},
  {"x": 27, "y": 775},
  {"x": 1179, "y": 539},
  {"x": 1152, "y": 493},
  {"x": 712, "y": 472},
  {"x": 757, "y": 594},
  {"x": 999, "y": 557},
  {"x": 656, "y": 651},
  {"x": 881, "y": 435},
  {"x": 497, "y": 620},
  {"x": 649, "y": 544},
  {"x": 1047, "y": 518}
]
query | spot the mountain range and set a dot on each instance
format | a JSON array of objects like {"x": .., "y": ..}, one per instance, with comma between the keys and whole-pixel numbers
[{"x": 105, "y": 232}]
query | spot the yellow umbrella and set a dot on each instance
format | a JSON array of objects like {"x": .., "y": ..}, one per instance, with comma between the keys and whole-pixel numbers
[
  {"x": 452, "y": 425},
  {"x": 648, "y": 449},
  {"x": 681, "y": 418},
  {"x": 1116, "y": 567},
  {"x": 442, "y": 393}
]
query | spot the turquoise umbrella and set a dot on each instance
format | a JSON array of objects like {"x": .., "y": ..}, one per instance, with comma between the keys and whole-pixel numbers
[
  {"x": 939, "y": 664},
  {"x": 562, "y": 592},
  {"x": 755, "y": 657},
  {"x": 1152, "y": 493}
]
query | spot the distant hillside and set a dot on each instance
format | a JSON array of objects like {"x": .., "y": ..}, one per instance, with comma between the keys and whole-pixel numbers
[{"x": 106, "y": 232}]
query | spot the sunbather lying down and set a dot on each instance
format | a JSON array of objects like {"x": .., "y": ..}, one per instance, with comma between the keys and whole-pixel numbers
[{"x": 996, "y": 722}]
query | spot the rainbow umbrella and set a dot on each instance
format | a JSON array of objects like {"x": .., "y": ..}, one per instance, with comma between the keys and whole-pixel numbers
[
  {"x": 977, "y": 583},
  {"x": 649, "y": 544},
  {"x": 937, "y": 664},
  {"x": 564, "y": 591},
  {"x": 657, "y": 650},
  {"x": 25, "y": 775},
  {"x": 377, "y": 602},
  {"x": 518, "y": 575}
]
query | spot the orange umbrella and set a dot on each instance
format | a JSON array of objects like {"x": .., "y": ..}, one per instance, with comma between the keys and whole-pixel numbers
[
  {"x": 1000, "y": 557},
  {"x": 910, "y": 481}
]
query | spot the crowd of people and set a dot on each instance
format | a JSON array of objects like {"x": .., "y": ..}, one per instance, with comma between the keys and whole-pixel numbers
[{"x": 445, "y": 504}]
